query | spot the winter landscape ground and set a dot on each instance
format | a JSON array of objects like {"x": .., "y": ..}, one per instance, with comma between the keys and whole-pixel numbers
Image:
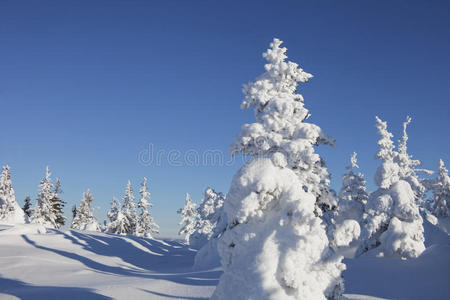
[{"x": 89, "y": 265}]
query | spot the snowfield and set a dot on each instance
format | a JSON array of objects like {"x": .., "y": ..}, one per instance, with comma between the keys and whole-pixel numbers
[{"x": 90, "y": 265}]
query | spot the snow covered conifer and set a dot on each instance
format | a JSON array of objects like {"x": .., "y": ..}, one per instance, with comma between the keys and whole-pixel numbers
[
  {"x": 10, "y": 211},
  {"x": 408, "y": 166},
  {"x": 441, "y": 192},
  {"x": 146, "y": 226},
  {"x": 388, "y": 172},
  {"x": 58, "y": 204},
  {"x": 43, "y": 212},
  {"x": 27, "y": 206},
  {"x": 119, "y": 224},
  {"x": 392, "y": 223},
  {"x": 115, "y": 208},
  {"x": 275, "y": 246},
  {"x": 129, "y": 209},
  {"x": 189, "y": 218},
  {"x": 353, "y": 195},
  {"x": 84, "y": 218},
  {"x": 209, "y": 212}
]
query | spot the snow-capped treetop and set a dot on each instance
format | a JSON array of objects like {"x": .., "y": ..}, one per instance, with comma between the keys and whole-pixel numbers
[
  {"x": 212, "y": 201},
  {"x": 441, "y": 192},
  {"x": 129, "y": 208},
  {"x": 386, "y": 146},
  {"x": 280, "y": 123},
  {"x": 84, "y": 218},
  {"x": 189, "y": 218},
  {"x": 388, "y": 172},
  {"x": 58, "y": 204},
  {"x": 128, "y": 197},
  {"x": 6, "y": 189},
  {"x": 281, "y": 79},
  {"x": 353, "y": 162},
  {"x": 402, "y": 147},
  {"x": 353, "y": 184},
  {"x": 145, "y": 225},
  {"x": 408, "y": 166},
  {"x": 115, "y": 208},
  {"x": 10, "y": 211},
  {"x": 352, "y": 196},
  {"x": 43, "y": 212},
  {"x": 144, "y": 194},
  {"x": 279, "y": 109}
]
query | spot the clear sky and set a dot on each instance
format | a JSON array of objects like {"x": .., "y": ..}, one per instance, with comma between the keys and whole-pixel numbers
[{"x": 87, "y": 86}]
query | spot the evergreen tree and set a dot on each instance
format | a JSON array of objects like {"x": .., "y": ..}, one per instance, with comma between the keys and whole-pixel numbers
[
  {"x": 27, "y": 206},
  {"x": 146, "y": 226},
  {"x": 58, "y": 204},
  {"x": 352, "y": 196},
  {"x": 441, "y": 192},
  {"x": 10, "y": 211},
  {"x": 129, "y": 210},
  {"x": 114, "y": 210},
  {"x": 189, "y": 218},
  {"x": 43, "y": 212},
  {"x": 408, "y": 166},
  {"x": 84, "y": 218},
  {"x": 209, "y": 212},
  {"x": 118, "y": 222},
  {"x": 272, "y": 205},
  {"x": 392, "y": 223}
]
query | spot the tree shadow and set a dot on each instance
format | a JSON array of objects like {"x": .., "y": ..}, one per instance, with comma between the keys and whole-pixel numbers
[
  {"x": 170, "y": 260},
  {"x": 173, "y": 297},
  {"x": 26, "y": 291}
]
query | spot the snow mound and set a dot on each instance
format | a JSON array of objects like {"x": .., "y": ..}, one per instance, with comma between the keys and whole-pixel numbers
[{"x": 347, "y": 232}]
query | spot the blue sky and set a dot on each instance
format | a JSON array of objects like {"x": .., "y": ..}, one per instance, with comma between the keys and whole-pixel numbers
[{"x": 85, "y": 86}]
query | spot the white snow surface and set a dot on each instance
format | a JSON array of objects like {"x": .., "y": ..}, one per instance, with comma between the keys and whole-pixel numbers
[{"x": 81, "y": 265}]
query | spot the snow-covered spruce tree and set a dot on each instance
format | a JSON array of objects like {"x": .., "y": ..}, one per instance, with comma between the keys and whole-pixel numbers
[
  {"x": 210, "y": 227},
  {"x": 189, "y": 217},
  {"x": 146, "y": 226},
  {"x": 27, "y": 206},
  {"x": 408, "y": 166},
  {"x": 209, "y": 212},
  {"x": 129, "y": 210},
  {"x": 441, "y": 192},
  {"x": 275, "y": 245},
  {"x": 84, "y": 218},
  {"x": 43, "y": 212},
  {"x": 58, "y": 204},
  {"x": 10, "y": 211},
  {"x": 119, "y": 224},
  {"x": 352, "y": 196},
  {"x": 392, "y": 222}
]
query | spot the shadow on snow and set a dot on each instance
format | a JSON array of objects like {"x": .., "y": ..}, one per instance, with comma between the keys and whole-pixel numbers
[
  {"x": 27, "y": 291},
  {"x": 167, "y": 260}
]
